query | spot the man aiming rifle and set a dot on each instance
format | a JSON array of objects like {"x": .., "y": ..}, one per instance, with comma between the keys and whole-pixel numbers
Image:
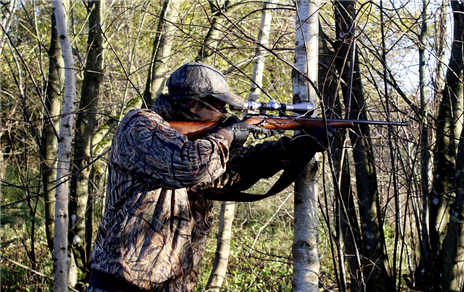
[{"x": 153, "y": 233}]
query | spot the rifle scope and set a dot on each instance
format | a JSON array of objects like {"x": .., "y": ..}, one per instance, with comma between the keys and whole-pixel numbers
[{"x": 300, "y": 108}]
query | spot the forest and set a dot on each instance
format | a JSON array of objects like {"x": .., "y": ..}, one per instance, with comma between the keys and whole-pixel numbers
[{"x": 382, "y": 209}]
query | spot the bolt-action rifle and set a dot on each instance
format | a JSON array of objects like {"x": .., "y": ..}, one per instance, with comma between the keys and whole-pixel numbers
[{"x": 267, "y": 124}]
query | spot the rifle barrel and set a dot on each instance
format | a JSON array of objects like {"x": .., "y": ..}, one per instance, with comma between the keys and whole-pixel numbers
[
  {"x": 290, "y": 123},
  {"x": 384, "y": 123}
]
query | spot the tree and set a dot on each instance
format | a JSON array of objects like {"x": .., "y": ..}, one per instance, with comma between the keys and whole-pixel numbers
[
  {"x": 373, "y": 274},
  {"x": 53, "y": 104},
  {"x": 60, "y": 243},
  {"x": 305, "y": 243},
  {"x": 446, "y": 200},
  {"x": 221, "y": 257},
  {"x": 5, "y": 22},
  {"x": 86, "y": 122},
  {"x": 263, "y": 41},
  {"x": 161, "y": 51}
]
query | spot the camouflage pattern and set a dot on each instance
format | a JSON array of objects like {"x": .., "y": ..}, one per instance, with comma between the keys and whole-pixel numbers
[{"x": 155, "y": 226}]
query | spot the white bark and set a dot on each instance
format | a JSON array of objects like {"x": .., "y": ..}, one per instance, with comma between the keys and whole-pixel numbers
[
  {"x": 7, "y": 15},
  {"x": 60, "y": 253},
  {"x": 263, "y": 41},
  {"x": 162, "y": 49},
  {"x": 221, "y": 259},
  {"x": 305, "y": 253}
]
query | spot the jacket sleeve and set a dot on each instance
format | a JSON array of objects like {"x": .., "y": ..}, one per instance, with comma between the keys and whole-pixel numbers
[
  {"x": 249, "y": 164},
  {"x": 151, "y": 150}
]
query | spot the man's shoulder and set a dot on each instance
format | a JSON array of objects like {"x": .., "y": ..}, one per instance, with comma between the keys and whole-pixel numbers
[
  {"x": 142, "y": 112},
  {"x": 140, "y": 115},
  {"x": 147, "y": 121}
]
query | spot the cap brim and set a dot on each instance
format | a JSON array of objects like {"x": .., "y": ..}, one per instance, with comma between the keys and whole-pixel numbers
[{"x": 230, "y": 99}]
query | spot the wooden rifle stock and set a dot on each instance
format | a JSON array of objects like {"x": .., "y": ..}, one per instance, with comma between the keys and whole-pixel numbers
[{"x": 195, "y": 130}]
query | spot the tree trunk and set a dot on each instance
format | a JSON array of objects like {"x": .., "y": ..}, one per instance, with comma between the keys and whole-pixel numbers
[
  {"x": 221, "y": 257},
  {"x": 375, "y": 270},
  {"x": 426, "y": 255},
  {"x": 450, "y": 266},
  {"x": 8, "y": 10},
  {"x": 210, "y": 41},
  {"x": 449, "y": 126},
  {"x": 5, "y": 22},
  {"x": 60, "y": 254},
  {"x": 305, "y": 253},
  {"x": 263, "y": 41},
  {"x": 346, "y": 223},
  {"x": 453, "y": 245},
  {"x": 50, "y": 143},
  {"x": 85, "y": 126},
  {"x": 161, "y": 51}
]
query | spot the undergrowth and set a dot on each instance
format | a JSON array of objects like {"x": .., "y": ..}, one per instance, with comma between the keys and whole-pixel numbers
[{"x": 260, "y": 257}]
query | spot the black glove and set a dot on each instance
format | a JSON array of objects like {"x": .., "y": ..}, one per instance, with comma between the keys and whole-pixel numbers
[{"x": 238, "y": 130}]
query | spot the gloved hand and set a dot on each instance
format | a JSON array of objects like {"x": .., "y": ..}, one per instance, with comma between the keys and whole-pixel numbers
[{"x": 238, "y": 130}]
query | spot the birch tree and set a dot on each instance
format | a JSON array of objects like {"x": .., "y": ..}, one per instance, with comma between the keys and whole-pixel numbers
[
  {"x": 161, "y": 50},
  {"x": 60, "y": 253},
  {"x": 8, "y": 9},
  {"x": 263, "y": 42},
  {"x": 221, "y": 257},
  {"x": 305, "y": 243},
  {"x": 210, "y": 41}
]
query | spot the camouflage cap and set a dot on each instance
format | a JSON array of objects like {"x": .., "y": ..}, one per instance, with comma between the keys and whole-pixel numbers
[{"x": 201, "y": 80}]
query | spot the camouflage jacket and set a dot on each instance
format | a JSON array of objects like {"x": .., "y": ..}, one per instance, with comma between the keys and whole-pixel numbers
[{"x": 154, "y": 229}]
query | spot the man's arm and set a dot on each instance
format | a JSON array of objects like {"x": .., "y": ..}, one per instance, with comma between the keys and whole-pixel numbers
[{"x": 151, "y": 150}]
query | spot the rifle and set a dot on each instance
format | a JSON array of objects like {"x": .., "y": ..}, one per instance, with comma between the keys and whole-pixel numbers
[{"x": 269, "y": 124}]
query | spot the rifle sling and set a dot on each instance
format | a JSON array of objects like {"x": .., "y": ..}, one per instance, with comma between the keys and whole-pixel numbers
[{"x": 291, "y": 173}]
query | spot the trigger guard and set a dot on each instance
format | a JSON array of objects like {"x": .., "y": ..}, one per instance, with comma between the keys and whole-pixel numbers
[{"x": 263, "y": 133}]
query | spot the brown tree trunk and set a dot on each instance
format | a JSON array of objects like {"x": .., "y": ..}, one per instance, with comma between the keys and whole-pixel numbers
[
  {"x": 449, "y": 168},
  {"x": 375, "y": 269},
  {"x": 85, "y": 127}
]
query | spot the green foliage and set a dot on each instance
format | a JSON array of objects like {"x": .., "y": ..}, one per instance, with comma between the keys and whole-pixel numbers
[
  {"x": 15, "y": 247},
  {"x": 16, "y": 242},
  {"x": 260, "y": 256}
]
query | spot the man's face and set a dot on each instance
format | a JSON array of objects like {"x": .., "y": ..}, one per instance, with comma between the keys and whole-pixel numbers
[{"x": 220, "y": 105}]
